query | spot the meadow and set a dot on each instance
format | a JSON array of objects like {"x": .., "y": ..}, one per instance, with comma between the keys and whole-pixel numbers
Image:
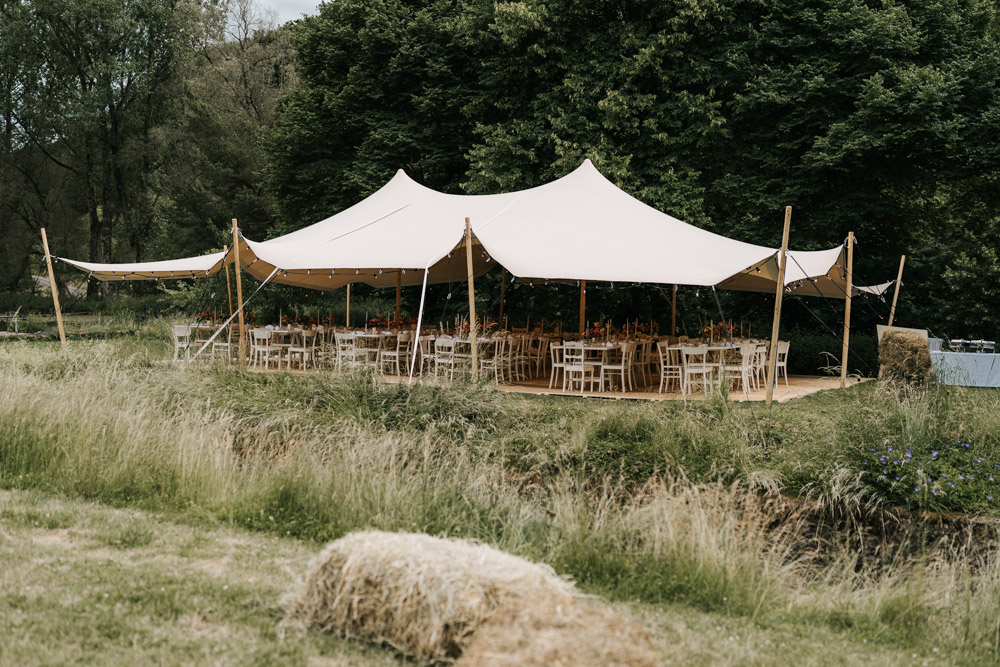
[{"x": 849, "y": 526}]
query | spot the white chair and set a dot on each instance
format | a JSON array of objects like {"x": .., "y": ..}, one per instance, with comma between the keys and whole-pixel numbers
[
  {"x": 346, "y": 358},
  {"x": 748, "y": 367},
  {"x": 782, "y": 361},
  {"x": 623, "y": 367},
  {"x": 576, "y": 369},
  {"x": 695, "y": 365},
  {"x": 444, "y": 356},
  {"x": 493, "y": 358},
  {"x": 303, "y": 346},
  {"x": 224, "y": 341},
  {"x": 182, "y": 340},
  {"x": 556, "y": 353},
  {"x": 670, "y": 366},
  {"x": 426, "y": 350},
  {"x": 262, "y": 349},
  {"x": 398, "y": 357}
]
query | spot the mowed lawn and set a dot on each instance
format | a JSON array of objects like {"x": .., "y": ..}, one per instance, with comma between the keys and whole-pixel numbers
[{"x": 81, "y": 582}]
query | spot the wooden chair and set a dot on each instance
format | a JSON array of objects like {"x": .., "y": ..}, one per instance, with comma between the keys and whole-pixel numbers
[
  {"x": 182, "y": 340},
  {"x": 398, "y": 357},
  {"x": 670, "y": 366},
  {"x": 695, "y": 365},
  {"x": 576, "y": 369},
  {"x": 262, "y": 349},
  {"x": 444, "y": 356},
  {"x": 622, "y": 368}
]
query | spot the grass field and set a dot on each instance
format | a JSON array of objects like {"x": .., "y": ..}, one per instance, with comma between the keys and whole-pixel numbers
[{"x": 735, "y": 534}]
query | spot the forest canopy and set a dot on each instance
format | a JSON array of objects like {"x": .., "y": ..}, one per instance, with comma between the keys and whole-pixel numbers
[{"x": 136, "y": 129}]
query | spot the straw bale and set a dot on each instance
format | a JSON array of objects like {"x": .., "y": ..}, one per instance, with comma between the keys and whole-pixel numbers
[
  {"x": 423, "y": 595},
  {"x": 551, "y": 631},
  {"x": 904, "y": 356}
]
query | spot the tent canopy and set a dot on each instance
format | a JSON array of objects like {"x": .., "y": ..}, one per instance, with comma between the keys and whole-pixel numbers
[{"x": 578, "y": 227}]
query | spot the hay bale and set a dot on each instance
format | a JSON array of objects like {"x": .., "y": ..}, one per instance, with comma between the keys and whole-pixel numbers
[
  {"x": 423, "y": 595},
  {"x": 546, "y": 631},
  {"x": 904, "y": 356}
]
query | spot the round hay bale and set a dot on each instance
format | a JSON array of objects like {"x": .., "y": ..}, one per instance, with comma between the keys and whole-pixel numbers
[
  {"x": 423, "y": 595},
  {"x": 904, "y": 356},
  {"x": 547, "y": 631}
]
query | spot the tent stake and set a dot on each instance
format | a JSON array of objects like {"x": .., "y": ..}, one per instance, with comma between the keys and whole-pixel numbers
[
  {"x": 239, "y": 292},
  {"x": 583, "y": 304},
  {"x": 847, "y": 308},
  {"x": 55, "y": 291},
  {"x": 348, "y": 316},
  {"x": 673, "y": 313},
  {"x": 229, "y": 285},
  {"x": 399, "y": 289},
  {"x": 472, "y": 300},
  {"x": 895, "y": 293},
  {"x": 772, "y": 355}
]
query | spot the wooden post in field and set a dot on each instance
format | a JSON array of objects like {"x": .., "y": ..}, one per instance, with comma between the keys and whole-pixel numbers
[
  {"x": 239, "y": 291},
  {"x": 772, "y": 355},
  {"x": 583, "y": 304},
  {"x": 399, "y": 293},
  {"x": 895, "y": 293},
  {"x": 229, "y": 285},
  {"x": 472, "y": 299},
  {"x": 673, "y": 313},
  {"x": 55, "y": 291},
  {"x": 847, "y": 308},
  {"x": 503, "y": 290},
  {"x": 348, "y": 316}
]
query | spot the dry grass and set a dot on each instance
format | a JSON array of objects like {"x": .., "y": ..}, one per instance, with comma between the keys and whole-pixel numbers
[
  {"x": 423, "y": 595},
  {"x": 904, "y": 356},
  {"x": 547, "y": 630}
]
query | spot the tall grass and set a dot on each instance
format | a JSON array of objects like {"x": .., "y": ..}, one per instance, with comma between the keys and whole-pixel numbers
[{"x": 660, "y": 503}]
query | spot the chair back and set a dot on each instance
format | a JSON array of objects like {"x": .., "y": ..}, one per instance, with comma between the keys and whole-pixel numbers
[
  {"x": 783, "y": 346},
  {"x": 573, "y": 354},
  {"x": 556, "y": 355},
  {"x": 182, "y": 333},
  {"x": 694, "y": 356},
  {"x": 260, "y": 336},
  {"x": 444, "y": 347},
  {"x": 668, "y": 357}
]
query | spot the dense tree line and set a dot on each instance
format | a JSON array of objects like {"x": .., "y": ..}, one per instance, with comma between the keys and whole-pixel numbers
[{"x": 876, "y": 117}]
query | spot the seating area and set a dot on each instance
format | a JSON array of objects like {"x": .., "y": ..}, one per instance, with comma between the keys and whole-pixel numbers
[{"x": 561, "y": 363}]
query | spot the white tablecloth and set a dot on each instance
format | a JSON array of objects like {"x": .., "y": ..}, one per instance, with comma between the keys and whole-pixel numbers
[{"x": 967, "y": 369}]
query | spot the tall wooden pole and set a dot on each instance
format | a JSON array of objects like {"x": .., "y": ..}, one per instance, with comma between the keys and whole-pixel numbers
[
  {"x": 847, "y": 308},
  {"x": 229, "y": 285},
  {"x": 583, "y": 304},
  {"x": 399, "y": 293},
  {"x": 472, "y": 299},
  {"x": 673, "y": 313},
  {"x": 779, "y": 291},
  {"x": 503, "y": 291},
  {"x": 239, "y": 291},
  {"x": 895, "y": 294},
  {"x": 55, "y": 290},
  {"x": 348, "y": 316}
]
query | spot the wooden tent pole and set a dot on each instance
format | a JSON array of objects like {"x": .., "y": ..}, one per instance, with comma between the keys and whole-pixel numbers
[
  {"x": 229, "y": 285},
  {"x": 583, "y": 304},
  {"x": 503, "y": 291},
  {"x": 55, "y": 290},
  {"x": 673, "y": 313},
  {"x": 399, "y": 292},
  {"x": 472, "y": 299},
  {"x": 239, "y": 292},
  {"x": 348, "y": 316},
  {"x": 895, "y": 293},
  {"x": 779, "y": 291},
  {"x": 847, "y": 308}
]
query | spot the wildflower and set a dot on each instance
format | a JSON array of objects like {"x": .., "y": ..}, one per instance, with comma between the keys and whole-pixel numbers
[
  {"x": 934, "y": 453},
  {"x": 897, "y": 478},
  {"x": 885, "y": 472},
  {"x": 989, "y": 497},
  {"x": 889, "y": 448},
  {"x": 967, "y": 445},
  {"x": 951, "y": 484},
  {"x": 916, "y": 489}
]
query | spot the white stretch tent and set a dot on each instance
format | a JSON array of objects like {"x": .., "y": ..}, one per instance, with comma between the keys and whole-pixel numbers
[
  {"x": 578, "y": 227},
  {"x": 186, "y": 267}
]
